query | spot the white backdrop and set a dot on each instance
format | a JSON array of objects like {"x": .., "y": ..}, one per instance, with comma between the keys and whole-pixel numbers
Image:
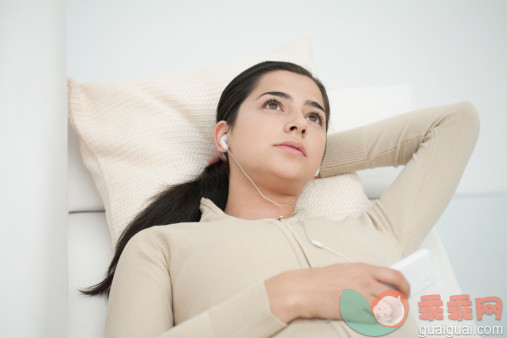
[
  {"x": 447, "y": 50},
  {"x": 33, "y": 194}
]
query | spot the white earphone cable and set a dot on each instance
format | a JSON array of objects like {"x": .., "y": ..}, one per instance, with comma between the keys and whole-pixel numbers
[
  {"x": 256, "y": 185},
  {"x": 312, "y": 241}
]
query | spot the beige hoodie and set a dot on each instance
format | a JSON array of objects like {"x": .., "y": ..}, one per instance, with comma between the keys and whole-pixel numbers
[{"x": 206, "y": 278}]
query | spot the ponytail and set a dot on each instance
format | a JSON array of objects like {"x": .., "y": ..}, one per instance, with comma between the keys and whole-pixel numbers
[{"x": 176, "y": 204}]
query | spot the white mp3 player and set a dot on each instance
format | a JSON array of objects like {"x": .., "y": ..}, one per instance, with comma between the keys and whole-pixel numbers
[{"x": 418, "y": 270}]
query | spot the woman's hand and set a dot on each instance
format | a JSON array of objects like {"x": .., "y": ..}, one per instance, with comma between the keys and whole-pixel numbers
[{"x": 316, "y": 292}]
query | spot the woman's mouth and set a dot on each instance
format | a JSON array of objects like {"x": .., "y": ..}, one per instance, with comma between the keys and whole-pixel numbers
[{"x": 291, "y": 150}]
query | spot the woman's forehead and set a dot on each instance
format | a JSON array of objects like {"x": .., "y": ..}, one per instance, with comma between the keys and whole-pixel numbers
[{"x": 295, "y": 85}]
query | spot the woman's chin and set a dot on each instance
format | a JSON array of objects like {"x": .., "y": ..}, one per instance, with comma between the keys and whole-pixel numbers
[{"x": 289, "y": 175}]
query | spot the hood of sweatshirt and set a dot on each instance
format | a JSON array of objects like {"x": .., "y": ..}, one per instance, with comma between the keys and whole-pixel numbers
[{"x": 211, "y": 212}]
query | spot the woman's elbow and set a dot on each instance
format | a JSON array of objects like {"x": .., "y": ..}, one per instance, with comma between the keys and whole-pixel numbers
[{"x": 469, "y": 117}]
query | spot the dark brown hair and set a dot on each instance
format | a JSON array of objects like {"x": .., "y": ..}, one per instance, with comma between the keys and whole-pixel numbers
[{"x": 180, "y": 203}]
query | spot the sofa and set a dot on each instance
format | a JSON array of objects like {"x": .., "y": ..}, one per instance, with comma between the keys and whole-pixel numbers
[{"x": 90, "y": 243}]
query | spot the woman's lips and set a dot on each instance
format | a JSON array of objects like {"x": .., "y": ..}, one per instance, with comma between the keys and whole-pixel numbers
[{"x": 291, "y": 150}]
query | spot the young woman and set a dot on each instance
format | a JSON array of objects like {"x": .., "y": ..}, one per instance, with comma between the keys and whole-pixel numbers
[{"x": 226, "y": 255}]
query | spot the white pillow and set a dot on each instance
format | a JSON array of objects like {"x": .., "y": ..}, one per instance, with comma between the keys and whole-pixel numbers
[{"x": 138, "y": 136}]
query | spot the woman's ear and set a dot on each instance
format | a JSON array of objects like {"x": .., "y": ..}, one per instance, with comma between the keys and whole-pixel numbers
[{"x": 221, "y": 129}]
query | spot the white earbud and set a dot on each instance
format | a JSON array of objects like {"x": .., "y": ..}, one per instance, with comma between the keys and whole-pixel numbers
[
  {"x": 317, "y": 243},
  {"x": 318, "y": 170},
  {"x": 223, "y": 142}
]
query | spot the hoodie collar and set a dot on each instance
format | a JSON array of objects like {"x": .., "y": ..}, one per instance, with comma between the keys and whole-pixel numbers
[{"x": 211, "y": 212}]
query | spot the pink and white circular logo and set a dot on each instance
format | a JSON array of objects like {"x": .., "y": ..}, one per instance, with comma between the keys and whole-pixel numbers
[{"x": 390, "y": 308}]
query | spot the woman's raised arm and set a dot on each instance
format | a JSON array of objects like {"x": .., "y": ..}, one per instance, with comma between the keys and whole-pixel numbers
[
  {"x": 140, "y": 301},
  {"x": 434, "y": 144}
]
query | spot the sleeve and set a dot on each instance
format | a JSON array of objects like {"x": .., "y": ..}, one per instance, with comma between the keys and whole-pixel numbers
[
  {"x": 434, "y": 144},
  {"x": 140, "y": 301}
]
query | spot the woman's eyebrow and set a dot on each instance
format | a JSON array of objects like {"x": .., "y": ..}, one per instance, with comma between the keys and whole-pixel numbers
[{"x": 288, "y": 97}]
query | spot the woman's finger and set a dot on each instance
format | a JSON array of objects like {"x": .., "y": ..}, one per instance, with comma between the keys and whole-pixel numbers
[
  {"x": 392, "y": 277},
  {"x": 377, "y": 288}
]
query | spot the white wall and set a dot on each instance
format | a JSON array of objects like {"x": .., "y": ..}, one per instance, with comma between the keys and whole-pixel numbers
[
  {"x": 447, "y": 50},
  {"x": 33, "y": 193}
]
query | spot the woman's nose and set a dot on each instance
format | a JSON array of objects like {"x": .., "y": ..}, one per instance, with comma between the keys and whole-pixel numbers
[{"x": 299, "y": 123}]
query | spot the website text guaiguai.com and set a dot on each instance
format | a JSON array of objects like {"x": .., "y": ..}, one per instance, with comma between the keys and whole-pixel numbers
[{"x": 466, "y": 330}]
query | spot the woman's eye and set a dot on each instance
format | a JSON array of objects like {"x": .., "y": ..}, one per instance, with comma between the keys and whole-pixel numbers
[
  {"x": 272, "y": 103},
  {"x": 318, "y": 117}
]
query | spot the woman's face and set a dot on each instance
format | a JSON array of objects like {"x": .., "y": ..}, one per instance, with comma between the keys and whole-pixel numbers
[{"x": 264, "y": 120}]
